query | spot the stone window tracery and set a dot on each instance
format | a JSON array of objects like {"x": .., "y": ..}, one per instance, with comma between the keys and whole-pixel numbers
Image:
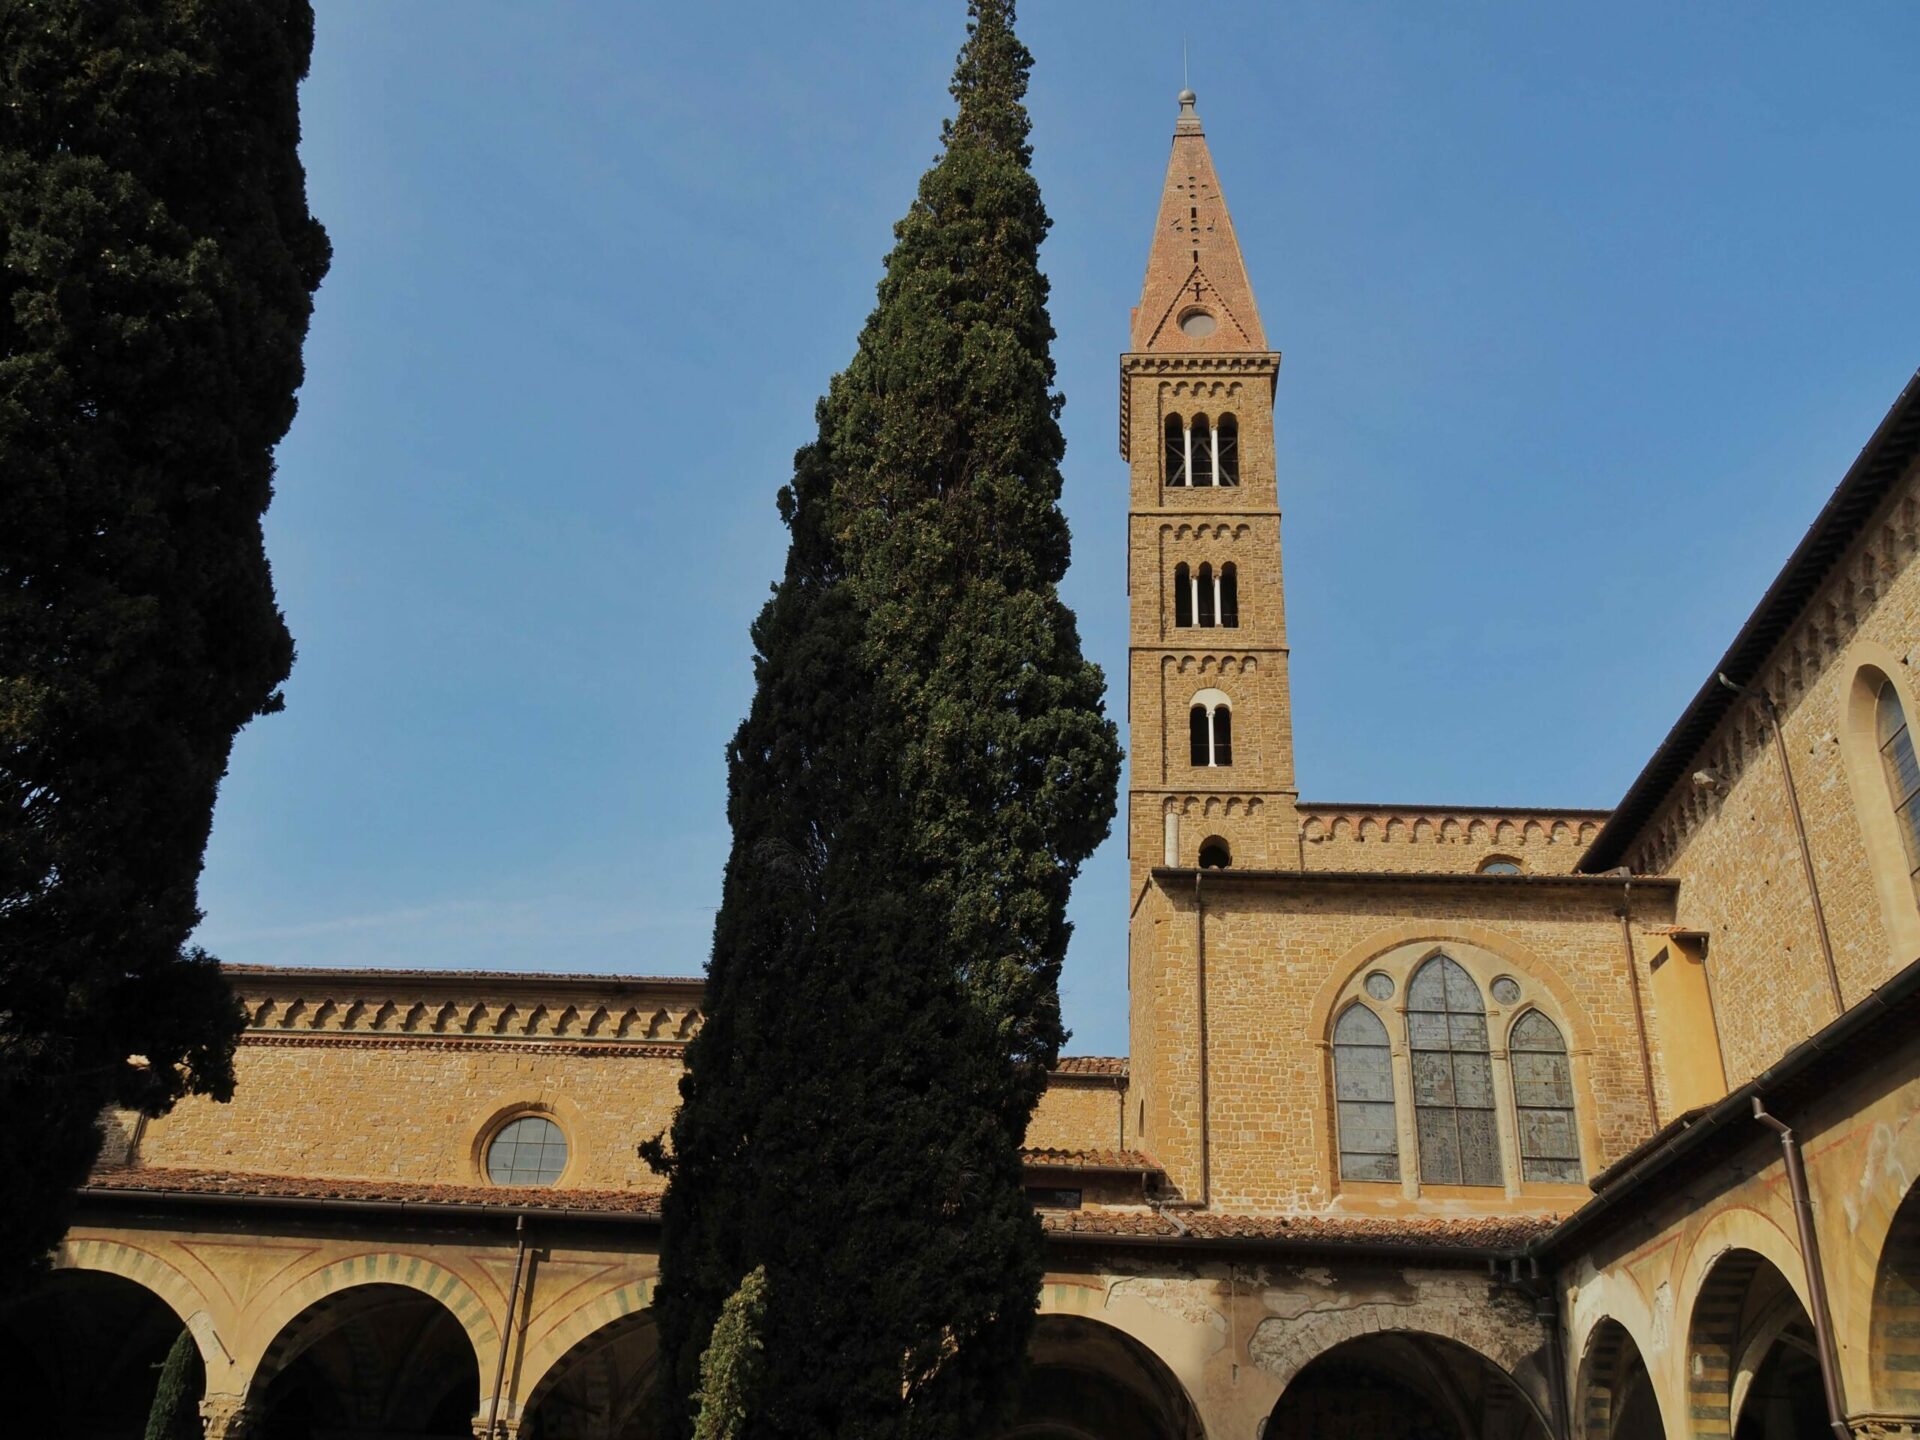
[
  {"x": 1894, "y": 737},
  {"x": 1363, "y": 1093},
  {"x": 1453, "y": 1102},
  {"x": 1543, "y": 1101}
]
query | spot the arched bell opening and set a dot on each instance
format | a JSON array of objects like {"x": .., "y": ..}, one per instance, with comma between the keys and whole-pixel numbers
[
  {"x": 603, "y": 1388},
  {"x": 81, "y": 1355},
  {"x": 1090, "y": 1381},
  {"x": 366, "y": 1363},
  {"x": 1403, "y": 1385}
]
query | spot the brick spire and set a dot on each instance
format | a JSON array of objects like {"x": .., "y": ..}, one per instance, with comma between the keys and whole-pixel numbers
[{"x": 1195, "y": 273}]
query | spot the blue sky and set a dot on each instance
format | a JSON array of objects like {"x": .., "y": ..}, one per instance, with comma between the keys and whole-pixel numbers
[{"x": 1584, "y": 310}]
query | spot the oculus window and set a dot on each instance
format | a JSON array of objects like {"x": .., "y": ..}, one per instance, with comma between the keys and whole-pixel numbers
[{"x": 528, "y": 1150}]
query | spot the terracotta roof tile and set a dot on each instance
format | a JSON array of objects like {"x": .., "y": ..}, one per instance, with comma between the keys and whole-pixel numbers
[
  {"x": 1091, "y": 1065},
  {"x": 1047, "y": 1157},
  {"x": 1491, "y": 1232},
  {"x": 308, "y": 1187}
]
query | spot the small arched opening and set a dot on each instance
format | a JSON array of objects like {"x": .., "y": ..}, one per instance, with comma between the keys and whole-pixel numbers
[
  {"x": 1183, "y": 596},
  {"x": 1088, "y": 1379},
  {"x": 1215, "y": 854},
  {"x": 1752, "y": 1368},
  {"x": 1199, "y": 451},
  {"x": 1403, "y": 1385},
  {"x": 368, "y": 1360},
  {"x": 1210, "y": 730},
  {"x": 81, "y": 1355}
]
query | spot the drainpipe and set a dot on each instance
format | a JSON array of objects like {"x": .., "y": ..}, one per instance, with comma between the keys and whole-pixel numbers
[
  {"x": 1800, "y": 832},
  {"x": 513, "y": 1303},
  {"x": 1810, "y": 1258},
  {"x": 1200, "y": 1005},
  {"x": 1633, "y": 989}
]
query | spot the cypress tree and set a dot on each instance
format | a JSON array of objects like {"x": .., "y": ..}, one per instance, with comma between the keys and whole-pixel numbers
[
  {"x": 175, "y": 1412},
  {"x": 925, "y": 764},
  {"x": 157, "y": 263}
]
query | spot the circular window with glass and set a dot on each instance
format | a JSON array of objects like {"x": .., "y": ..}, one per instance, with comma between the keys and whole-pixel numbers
[
  {"x": 1197, "y": 324},
  {"x": 527, "y": 1150}
]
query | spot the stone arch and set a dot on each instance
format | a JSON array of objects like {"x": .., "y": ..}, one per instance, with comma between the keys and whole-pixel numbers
[
  {"x": 1894, "y": 1324},
  {"x": 1421, "y": 1356},
  {"x": 1565, "y": 1009},
  {"x": 1608, "y": 1368},
  {"x": 541, "y": 1359},
  {"x": 1721, "y": 1330},
  {"x": 1865, "y": 667},
  {"x": 1283, "y": 1348},
  {"x": 604, "y": 1385},
  {"x": 150, "y": 1272},
  {"x": 276, "y": 1343},
  {"x": 1089, "y": 1376}
]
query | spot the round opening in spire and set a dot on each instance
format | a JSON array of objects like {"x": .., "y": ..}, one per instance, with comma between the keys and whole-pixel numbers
[{"x": 1197, "y": 324}]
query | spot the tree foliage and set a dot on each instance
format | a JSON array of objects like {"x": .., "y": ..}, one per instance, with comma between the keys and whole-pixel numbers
[
  {"x": 730, "y": 1370},
  {"x": 175, "y": 1412},
  {"x": 925, "y": 764},
  {"x": 157, "y": 263}
]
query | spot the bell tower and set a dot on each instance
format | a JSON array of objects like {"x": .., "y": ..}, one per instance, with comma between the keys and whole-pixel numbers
[{"x": 1210, "y": 720}]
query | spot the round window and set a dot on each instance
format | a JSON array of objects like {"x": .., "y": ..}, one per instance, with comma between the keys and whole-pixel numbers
[
  {"x": 1506, "y": 989},
  {"x": 529, "y": 1150},
  {"x": 1197, "y": 323},
  {"x": 1380, "y": 985}
]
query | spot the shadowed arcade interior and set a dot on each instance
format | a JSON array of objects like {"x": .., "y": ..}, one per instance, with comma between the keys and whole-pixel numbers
[
  {"x": 369, "y": 1363},
  {"x": 80, "y": 1357},
  {"x": 1089, "y": 1381},
  {"x": 1403, "y": 1386}
]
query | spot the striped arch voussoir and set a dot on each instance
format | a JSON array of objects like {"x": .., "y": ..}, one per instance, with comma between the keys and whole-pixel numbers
[{"x": 293, "y": 1322}]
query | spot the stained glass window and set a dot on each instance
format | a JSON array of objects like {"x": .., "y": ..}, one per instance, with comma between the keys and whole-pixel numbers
[
  {"x": 1363, "y": 1090},
  {"x": 1452, "y": 1077},
  {"x": 1543, "y": 1101},
  {"x": 1903, "y": 773}
]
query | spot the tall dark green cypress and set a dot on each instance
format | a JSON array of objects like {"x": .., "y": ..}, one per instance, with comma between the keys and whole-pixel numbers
[
  {"x": 157, "y": 263},
  {"x": 925, "y": 765}
]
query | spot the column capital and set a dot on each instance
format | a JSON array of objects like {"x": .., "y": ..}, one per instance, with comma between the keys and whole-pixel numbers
[
  {"x": 1885, "y": 1427},
  {"x": 227, "y": 1417}
]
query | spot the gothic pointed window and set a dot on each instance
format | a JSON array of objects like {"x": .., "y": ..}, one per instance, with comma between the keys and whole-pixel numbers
[
  {"x": 1182, "y": 596},
  {"x": 1227, "y": 588},
  {"x": 1226, "y": 441},
  {"x": 1176, "y": 467},
  {"x": 1199, "y": 452},
  {"x": 1452, "y": 1077},
  {"x": 1206, "y": 595},
  {"x": 1895, "y": 738},
  {"x": 1363, "y": 1094},
  {"x": 1543, "y": 1100}
]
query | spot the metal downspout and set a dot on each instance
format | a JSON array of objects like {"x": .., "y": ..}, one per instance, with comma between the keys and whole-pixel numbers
[
  {"x": 1765, "y": 702},
  {"x": 1816, "y": 1279},
  {"x": 513, "y": 1303},
  {"x": 1639, "y": 1011}
]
